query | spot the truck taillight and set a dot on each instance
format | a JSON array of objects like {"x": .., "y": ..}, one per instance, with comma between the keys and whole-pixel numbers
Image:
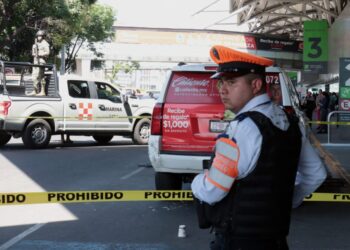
[
  {"x": 4, "y": 107},
  {"x": 157, "y": 119}
]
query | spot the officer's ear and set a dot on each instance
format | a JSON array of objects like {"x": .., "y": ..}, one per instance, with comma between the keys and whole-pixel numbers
[{"x": 257, "y": 85}]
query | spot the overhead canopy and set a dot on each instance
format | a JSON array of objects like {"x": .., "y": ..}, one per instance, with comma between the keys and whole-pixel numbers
[{"x": 272, "y": 17}]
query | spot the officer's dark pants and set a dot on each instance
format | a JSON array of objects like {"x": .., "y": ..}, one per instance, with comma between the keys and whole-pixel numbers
[{"x": 227, "y": 243}]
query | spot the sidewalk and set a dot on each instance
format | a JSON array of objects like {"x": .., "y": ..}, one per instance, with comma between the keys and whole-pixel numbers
[
  {"x": 336, "y": 156},
  {"x": 324, "y": 225}
]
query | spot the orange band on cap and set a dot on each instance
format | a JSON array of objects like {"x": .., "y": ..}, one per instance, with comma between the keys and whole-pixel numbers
[{"x": 220, "y": 54}]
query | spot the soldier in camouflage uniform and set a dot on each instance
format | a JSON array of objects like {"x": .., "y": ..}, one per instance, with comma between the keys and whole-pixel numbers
[{"x": 40, "y": 53}]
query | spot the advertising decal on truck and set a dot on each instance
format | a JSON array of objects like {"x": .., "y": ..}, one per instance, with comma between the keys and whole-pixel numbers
[
  {"x": 192, "y": 88},
  {"x": 85, "y": 111},
  {"x": 192, "y": 103},
  {"x": 176, "y": 120}
]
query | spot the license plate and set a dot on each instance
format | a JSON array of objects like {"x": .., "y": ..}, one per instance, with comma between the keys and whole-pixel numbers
[{"x": 218, "y": 126}]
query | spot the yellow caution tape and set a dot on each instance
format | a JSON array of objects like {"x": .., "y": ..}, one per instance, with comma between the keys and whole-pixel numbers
[
  {"x": 93, "y": 196},
  {"x": 329, "y": 197},
  {"x": 136, "y": 195},
  {"x": 330, "y": 123},
  {"x": 112, "y": 117}
]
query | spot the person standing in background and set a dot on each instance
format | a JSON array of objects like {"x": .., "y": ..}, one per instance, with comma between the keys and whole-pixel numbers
[
  {"x": 324, "y": 105},
  {"x": 333, "y": 102},
  {"x": 309, "y": 105},
  {"x": 317, "y": 109},
  {"x": 40, "y": 53}
]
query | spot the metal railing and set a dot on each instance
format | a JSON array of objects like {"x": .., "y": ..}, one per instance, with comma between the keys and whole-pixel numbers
[{"x": 337, "y": 123}]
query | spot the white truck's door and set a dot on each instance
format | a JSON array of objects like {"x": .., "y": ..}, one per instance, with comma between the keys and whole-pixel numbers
[
  {"x": 109, "y": 108},
  {"x": 79, "y": 107}
]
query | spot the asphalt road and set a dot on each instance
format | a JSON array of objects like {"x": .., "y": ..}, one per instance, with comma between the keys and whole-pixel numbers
[
  {"x": 121, "y": 225},
  {"x": 87, "y": 166}
]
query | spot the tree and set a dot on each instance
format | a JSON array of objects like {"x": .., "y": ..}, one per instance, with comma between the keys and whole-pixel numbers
[
  {"x": 67, "y": 22},
  {"x": 21, "y": 19},
  {"x": 91, "y": 24},
  {"x": 127, "y": 67}
]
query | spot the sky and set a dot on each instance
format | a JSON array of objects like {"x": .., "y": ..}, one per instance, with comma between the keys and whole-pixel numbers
[{"x": 172, "y": 13}]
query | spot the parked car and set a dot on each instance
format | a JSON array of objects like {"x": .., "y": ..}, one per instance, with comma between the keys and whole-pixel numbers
[
  {"x": 73, "y": 105},
  {"x": 189, "y": 115}
]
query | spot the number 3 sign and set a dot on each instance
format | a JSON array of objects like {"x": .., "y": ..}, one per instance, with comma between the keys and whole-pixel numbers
[{"x": 315, "y": 54}]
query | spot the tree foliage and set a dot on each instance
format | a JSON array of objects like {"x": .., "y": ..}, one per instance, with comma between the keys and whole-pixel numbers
[
  {"x": 91, "y": 24},
  {"x": 68, "y": 22},
  {"x": 126, "y": 67}
]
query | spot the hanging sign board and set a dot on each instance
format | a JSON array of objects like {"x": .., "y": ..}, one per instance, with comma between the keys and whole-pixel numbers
[
  {"x": 344, "y": 87},
  {"x": 315, "y": 54}
]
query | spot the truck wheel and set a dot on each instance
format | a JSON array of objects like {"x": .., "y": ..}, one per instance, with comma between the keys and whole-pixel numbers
[
  {"x": 103, "y": 139},
  {"x": 4, "y": 138},
  {"x": 142, "y": 131},
  {"x": 168, "y": 181},
  {"x": 37, "y": 134}
]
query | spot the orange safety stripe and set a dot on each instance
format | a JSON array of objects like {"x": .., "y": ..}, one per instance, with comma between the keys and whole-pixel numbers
[
  {"x": 225, "y": 165},
  {"x": 216, "y": 184},
  {"x": 221, "y": 54},
  {"x": 224, "y": 168},
  {"x": 230, "y": 143}
]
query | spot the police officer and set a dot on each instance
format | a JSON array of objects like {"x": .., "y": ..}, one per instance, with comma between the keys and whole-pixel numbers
[
  {"x": 40, "y": 53},
  {"x": 248, "y": 192}
]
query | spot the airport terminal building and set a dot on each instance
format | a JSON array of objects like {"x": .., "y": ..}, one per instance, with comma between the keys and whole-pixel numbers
[{"x": 157, "y": 50}]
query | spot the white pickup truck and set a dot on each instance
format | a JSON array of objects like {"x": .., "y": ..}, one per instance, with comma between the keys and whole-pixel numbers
[{"x": 73, "y": 105}]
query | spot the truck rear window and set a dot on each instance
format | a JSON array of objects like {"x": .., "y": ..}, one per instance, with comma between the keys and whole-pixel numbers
[{"x": 192, "y": 87}]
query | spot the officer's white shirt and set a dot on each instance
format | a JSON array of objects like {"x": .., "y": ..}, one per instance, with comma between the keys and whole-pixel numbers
[{"x": 311, "y": 171}]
